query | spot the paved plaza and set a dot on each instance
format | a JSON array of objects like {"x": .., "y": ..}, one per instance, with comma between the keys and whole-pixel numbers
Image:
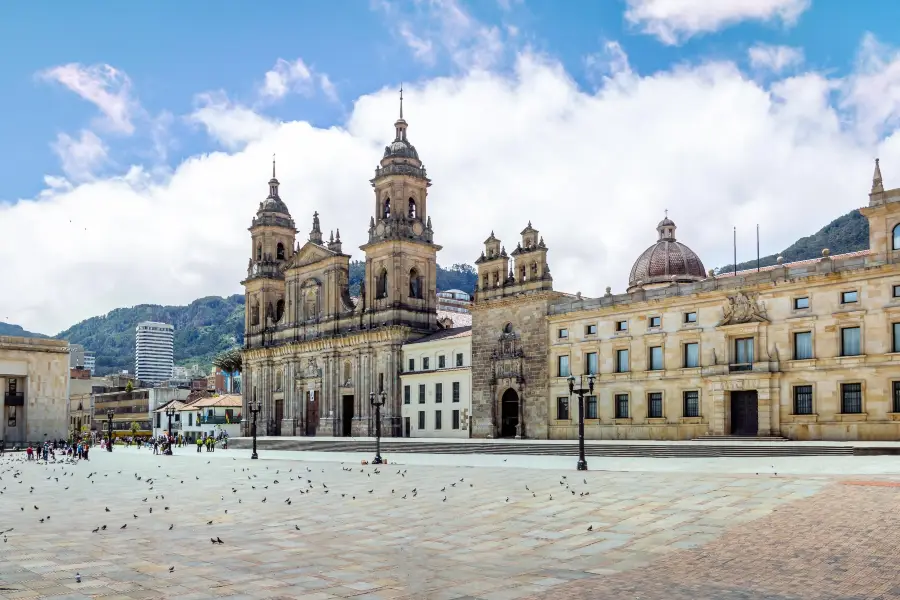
[{"x": 512, "y": 528}]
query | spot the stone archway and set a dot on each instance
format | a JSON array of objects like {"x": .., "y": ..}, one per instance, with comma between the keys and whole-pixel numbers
[{"x": 509, "y": 413}]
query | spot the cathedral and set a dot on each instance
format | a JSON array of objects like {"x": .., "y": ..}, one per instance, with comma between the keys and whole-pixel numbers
[{"x": 313, "y": 353}]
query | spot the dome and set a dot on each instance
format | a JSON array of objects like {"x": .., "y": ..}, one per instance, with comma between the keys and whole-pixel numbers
[
  {"x": 273, "y": 204},
  {"x": 666, "y": 261},
  {"x": 401, "y": 149}
]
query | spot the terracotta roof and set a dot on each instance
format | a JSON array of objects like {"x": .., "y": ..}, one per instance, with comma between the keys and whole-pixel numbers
[
  {"x": 797, "y": 263},
  {"x": 446, "y": 334},
  {"x": 225, "y": 401}
]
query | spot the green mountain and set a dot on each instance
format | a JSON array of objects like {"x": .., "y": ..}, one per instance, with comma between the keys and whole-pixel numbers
[
  {"x": 848, "y": 233},
  {"x": 458, "y": 277},
  {"x": 17, "y": 331},
  {"x": 203, "y": 328}
]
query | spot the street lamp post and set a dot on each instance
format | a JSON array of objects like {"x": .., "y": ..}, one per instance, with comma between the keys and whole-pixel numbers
[
  {"x": 382, "y": 398},
  {"x": 581, "y": 391},
  {"x": 254, "y": 407},
  {"x": 109, "y": 418},
  {"x": 170, "y": 412}
]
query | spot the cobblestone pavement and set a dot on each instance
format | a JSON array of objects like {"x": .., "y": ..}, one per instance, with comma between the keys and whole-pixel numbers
[{"x": 313, "y": 530}]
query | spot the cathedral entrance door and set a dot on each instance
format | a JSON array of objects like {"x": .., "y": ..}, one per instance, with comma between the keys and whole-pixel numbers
[
  {"x": 347, "y": 416},
  {"x": 312, "y": 413},
  {"x": 279, "y": 415},
  {"x": 509, "y": 413},
  {"x": 744, "y": 413}
]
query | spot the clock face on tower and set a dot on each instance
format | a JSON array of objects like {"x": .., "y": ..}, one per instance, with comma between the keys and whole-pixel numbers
[
  {"x": 417, "y": 227},
  {"x": 379, "y": 229}
]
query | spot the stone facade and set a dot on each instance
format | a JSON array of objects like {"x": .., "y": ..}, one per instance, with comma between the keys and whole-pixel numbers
[
  {"x": 509, "y": 339},
  {"x": 808, "y": 350},
  {"x": 312, "y": 353},
  {"x": 34, "y": 378}
]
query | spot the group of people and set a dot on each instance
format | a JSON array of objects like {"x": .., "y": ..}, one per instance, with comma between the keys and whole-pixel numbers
[{"x": 75, "y": 450}]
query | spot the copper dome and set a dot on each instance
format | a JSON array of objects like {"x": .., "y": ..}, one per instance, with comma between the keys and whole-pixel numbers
[{"x": 666, "y": 261}]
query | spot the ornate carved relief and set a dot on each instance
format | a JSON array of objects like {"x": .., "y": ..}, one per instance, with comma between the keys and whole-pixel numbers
[{"x": 744, "y": 307}]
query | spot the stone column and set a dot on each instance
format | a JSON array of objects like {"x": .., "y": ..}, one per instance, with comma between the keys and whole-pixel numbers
[{"x": 718, "y": 419}]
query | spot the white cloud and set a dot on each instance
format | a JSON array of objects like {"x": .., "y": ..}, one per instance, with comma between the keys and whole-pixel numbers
[
  {"x": 108, "y": 88},
  {"x": 609, "y": 62},
  {"x": 230, "y": 124},
  {"x": 674, "y": 21},
  {"x": 774, "y": 58},
  {"x": 81, "y": 156},
  {"x": 297, "y": 77},
  {"x": 593, "y": 171},
  {"x": 872, "y": 93},
  {"x": 434, "y": 28}
]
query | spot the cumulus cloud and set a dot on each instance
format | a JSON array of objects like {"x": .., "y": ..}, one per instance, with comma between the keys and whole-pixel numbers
[
  {"x": 108, "y": 88},
  {"x": 80, "y": 156},
  {"x": 232, "y": 125},
  {"x": 435, "y": 28},
  {"x": 774, "y": 58},
  {"x": 674, "y": 21},
  {"x": 593, "y": 171}
]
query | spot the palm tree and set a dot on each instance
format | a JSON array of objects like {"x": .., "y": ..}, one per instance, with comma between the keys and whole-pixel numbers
[{"x": 230, "y": 361}]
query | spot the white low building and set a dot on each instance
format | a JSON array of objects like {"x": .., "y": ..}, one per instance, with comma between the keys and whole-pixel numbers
[
  {"x": 437, "y": 384},
  {"x": 212, "y": 416},
  {"x": 160, "y": 420}
]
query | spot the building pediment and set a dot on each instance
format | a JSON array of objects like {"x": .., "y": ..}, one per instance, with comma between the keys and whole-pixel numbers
[{"x": 310, "y": 253}]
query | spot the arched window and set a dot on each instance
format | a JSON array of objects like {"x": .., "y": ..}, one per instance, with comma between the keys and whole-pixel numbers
[
  {"x": 415, "y": 284},
  {"x": 386, "y": 212},
  {"x": 279, "y": 310},
  {"x": 270, "y": 312},
  {"x": 412, "y": 208},
  {"x": 259, "y": 252},
  {"x": 254, "y": 314},
  {"x": 508, "y": 328},
  {"x": 381, "y": 284},
  {"x": 496, "y": 278},
  {"x": 896, "y": 245},
  {"x": 522, "y": 273},
  {"x": 533, "y": 270},
  {"x": 279, "y": 252},
  {"x": 486, "y": 283},
  {"x": 279, "y": 381}
]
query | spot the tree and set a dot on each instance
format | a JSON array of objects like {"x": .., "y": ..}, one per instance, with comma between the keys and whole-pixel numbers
[
  {"x": 230, "y": 361},
  {"x": 129, "y": 387},
  {"x": 134, "y": 426}
]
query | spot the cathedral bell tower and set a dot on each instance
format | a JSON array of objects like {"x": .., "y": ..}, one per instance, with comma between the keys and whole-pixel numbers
[
  {"x": 272, "y": 235},
  {"x": 401, "y": 256}
]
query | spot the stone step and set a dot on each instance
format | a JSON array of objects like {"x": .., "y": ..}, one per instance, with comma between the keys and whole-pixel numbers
[
  {"x": 739, "y": 438},
  {"x": 669, "y": 450}
]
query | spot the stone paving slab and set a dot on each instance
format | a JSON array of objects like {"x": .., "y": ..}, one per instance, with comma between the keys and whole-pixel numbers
[{"x": 352, "y": 531}]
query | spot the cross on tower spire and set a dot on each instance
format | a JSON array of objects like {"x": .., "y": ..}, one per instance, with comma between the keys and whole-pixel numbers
[{"x": 401, "y": 101}]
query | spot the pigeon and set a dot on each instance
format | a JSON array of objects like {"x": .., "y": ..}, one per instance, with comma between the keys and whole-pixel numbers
[
  {"x": 96, "y": 530},
  {"x": 107, "y": 509},
  {"x": 219, "y": 540},
  {"x": 124, "y": 526},
  {"x": 171, "y": 569},
  {"x": 171, "y": 526},
  {"x": 103, "y": 528},
  {"x": 297, "y": 527},
  {"x": 590, "y": 528},
  {"x": 209, "y": 522}
]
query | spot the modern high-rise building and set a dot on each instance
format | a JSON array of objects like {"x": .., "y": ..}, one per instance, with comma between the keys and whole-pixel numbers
[
  {"x": 90, "y": 361},
  {"x": 154, "y": 351}
]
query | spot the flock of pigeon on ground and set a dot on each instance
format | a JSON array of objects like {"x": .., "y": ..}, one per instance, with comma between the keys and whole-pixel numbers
[{"x": 261, "y": 481}]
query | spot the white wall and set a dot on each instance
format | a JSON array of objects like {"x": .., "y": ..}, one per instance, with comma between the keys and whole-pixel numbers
[{"x": 430, "y": 378}]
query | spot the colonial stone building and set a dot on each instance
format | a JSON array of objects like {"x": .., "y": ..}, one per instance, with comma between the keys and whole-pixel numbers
[
  {"x": 34, "y": 377},
  {"x": 509, "y": 339},
  {"x": 312, "y": 353},
  {"x": 807, "y": 350}
]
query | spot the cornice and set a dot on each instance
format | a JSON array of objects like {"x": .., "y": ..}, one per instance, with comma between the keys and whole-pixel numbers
[{"x": 391, "y": 334}]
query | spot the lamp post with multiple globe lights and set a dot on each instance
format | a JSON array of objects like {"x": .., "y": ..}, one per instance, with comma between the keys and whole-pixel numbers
[
  {"x": 377, "y": 404},
  {"x": 581, "y": 391}
]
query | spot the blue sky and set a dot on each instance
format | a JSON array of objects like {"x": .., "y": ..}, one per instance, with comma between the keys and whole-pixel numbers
[
  {"x": 172, "y": 50},
  {"x": 589, "y": 118}
]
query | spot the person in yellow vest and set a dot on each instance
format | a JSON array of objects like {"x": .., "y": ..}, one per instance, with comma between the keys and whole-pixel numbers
[{"x": 199, "y": 443}]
